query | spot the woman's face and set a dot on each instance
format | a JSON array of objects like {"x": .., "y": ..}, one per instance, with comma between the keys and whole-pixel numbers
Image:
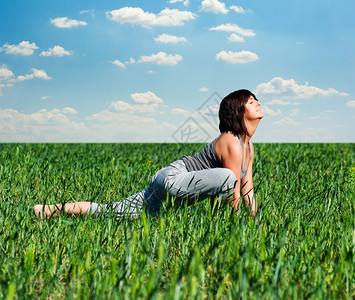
[{"x": 252, "y": 109}]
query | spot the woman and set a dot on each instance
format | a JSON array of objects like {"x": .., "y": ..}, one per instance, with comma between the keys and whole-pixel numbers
[{"x": 223, "y": 169}]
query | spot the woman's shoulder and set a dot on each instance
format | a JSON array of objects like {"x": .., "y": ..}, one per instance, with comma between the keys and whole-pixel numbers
[
  {"x": 228, "y": 139},
  {"x": 227, "y": 144}
]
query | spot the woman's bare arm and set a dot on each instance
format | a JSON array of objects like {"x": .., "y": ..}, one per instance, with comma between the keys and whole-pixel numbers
[
  {"x": 248, "y": 187},
  {"x": 230, "y": 153}
]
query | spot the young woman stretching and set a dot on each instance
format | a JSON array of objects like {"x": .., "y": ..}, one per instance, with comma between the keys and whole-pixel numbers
[{"x": 222, "y": 169}]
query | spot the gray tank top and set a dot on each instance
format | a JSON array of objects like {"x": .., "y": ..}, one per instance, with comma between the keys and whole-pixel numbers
[{"x": 207, "y": 159}]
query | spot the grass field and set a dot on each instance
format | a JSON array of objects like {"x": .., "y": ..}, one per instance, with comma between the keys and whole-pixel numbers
[{"x": 301, "y": 245}]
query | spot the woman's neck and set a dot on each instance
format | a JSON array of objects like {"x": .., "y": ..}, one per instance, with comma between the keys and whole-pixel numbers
[
  {"x": 251, "y": 127},
  {"x": 245, "y": 139}
]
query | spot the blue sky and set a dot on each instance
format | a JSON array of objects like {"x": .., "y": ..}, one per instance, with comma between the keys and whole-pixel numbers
[{"x": 155, "y": 71}]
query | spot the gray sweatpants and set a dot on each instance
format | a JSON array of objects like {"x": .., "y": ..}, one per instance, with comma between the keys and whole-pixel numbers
[{"x": 173, "y": 182}]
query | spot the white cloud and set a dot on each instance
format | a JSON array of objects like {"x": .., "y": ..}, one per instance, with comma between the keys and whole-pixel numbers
[
  {"x": 169, "y": 126},
  {"x": 5, "y": 73},
  {"x": 324, "y": 115},
  {"x": 65, "y": 22},
  {"x": 87, "y": 11},
  {"x": 8, "y": 75},
  {"x": 146, "y": 98},
  {"x": 241, "y": 57},
  {"x": 136, "y": 15},
  {"x": 45, "y": 97},
  {"x": 233, "y": 28},
  {"x": 279, "y": 102},
  {"x": 350, "y": 103},
  {"x": 238, "y": 9},
  {"x": 24, "y": 48},
  {"x": 316, "y": 135},
  {"x": 40, "y": 74},
  {"x": 294, "y": 112},
  {"x": 118, "y": 63},
  {"x": 213, "y": 6},
  {"x": 56, "y": 51},
  {"x": 121, "y": 107},
  {"x": 269, "y": 112},
  {"x": 112, "y": 126},
  {"x": 123, "y": 121},
  {"x": 41, "y": 126},
  {"x": 180, "y": 111},
  {"x": 210, "y": 110},
  {"x": 203, "y": 89},
  {"x": 161, "y": 58},
  {"x": 146, "y": 103},
  {"x": 286, "y": 121},
  {"x": 69, "y": 111},
  {"x": 289, "y": 88},
  {"x": 130, "y": 61},
  {"x": 236, "y": 38},
  {"x": 186, "y": 2},
  {"x": 167, "y": 38},
  {"x": 315, "y": 117}
]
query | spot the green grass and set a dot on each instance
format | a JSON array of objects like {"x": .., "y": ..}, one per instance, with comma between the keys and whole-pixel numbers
[{"x": 301, "y": 245}]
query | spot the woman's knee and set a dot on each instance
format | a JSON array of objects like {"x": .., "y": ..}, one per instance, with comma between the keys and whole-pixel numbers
[
  {"x": 224, "y": 182},
  {"x": 230, "y": 178}
]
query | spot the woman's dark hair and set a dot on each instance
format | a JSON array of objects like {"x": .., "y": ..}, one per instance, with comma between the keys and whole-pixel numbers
[{"x": 231, "y": 112}]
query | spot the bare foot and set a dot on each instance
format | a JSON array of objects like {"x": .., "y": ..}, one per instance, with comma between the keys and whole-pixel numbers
[{"x": 37, "y": 209}]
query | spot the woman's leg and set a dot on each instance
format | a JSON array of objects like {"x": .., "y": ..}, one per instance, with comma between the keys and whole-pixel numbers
[
  {"x": 199, "y": 185},
  {"x": 48, "y": 211},
  {"x": 130, "y": 207},
  {"x": 191, "y": 186}
]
